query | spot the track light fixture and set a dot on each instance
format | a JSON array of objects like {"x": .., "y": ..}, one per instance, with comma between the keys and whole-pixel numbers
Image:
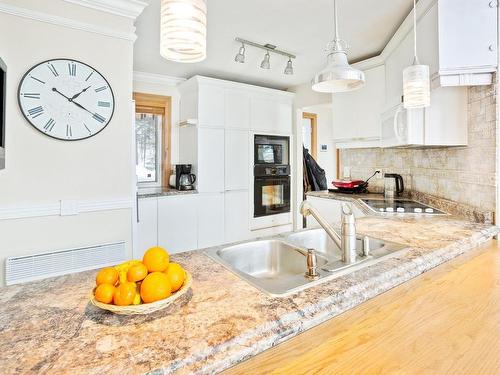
[
  {"x": 240, "y": 56},
  {"x": 266, "y": 62}
]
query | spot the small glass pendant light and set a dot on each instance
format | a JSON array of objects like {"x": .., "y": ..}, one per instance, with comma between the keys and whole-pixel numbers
[{"x": 416, "y": 82}]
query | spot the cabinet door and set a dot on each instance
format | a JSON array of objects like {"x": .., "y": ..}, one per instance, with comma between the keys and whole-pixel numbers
[
  {"x": 237, "y": 165},
  {"x": 147, "y": 227},
  {"x": 344, "y": 108},
  {"x": 211, "y": 106},
  {"x": 210, "y": 169},
  {"x": 471, "y": 23},
  {"x": 177, "y": 223},
  {"x": 237, "y": 109},
  {"x": 237, "y": 216},
  {"x": 210, "y": 220},
  {"x": 269, "y": 114}
]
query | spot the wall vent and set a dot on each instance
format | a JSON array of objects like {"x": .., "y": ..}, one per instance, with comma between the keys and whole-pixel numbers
[{"x": 40, "y": 266}]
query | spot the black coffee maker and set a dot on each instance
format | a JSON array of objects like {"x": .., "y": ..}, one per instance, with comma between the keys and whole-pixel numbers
[{"x": 184, "y": 179}]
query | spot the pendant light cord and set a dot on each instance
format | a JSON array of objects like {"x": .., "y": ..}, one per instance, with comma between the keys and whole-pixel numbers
[
  {"x": 415, "y": 62},
  {"x": 335, "y": 18}
]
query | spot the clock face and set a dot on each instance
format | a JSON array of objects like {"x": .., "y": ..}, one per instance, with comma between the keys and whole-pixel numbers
[{"x": 66, "y": 99}]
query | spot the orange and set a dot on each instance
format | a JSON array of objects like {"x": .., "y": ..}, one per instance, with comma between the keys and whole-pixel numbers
[
  {"x": 124, "y": 294},
  {"x": 176, "y": 276},
  {"x": 107, "y": 276},
  {"x": 155, "y": 287},
  {"x": 156, "y": 259},
  {"x": 137, "y": 272},
  {"x": 104, "y": 293}
]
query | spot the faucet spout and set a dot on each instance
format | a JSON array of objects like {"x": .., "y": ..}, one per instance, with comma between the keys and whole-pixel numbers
[{"x": 307, "y": 209}]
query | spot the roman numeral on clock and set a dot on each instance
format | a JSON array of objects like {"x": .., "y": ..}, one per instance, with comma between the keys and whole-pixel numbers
[
  {"x": 53, "y": 69},
  {"x": 102, "y": 88},
  {"x": 69, "y": 131},
  {"x": 36, "y": 111},
  {"x": 49, "y": 125},
  {"x": 86, "y": 127},
  {"x": 103, "y": 104},
  {"x": 72, "y": 69},
  {"x": 98, "y": 117},
  {"x": 31, "y": 95},
  {"x": 38, "y": 80}
]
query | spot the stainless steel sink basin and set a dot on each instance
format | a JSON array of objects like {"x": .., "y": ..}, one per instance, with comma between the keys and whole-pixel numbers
[{"x": 278, "y": 266}]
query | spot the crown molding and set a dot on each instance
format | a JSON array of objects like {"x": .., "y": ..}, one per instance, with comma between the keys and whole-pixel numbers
[
  {"x": 64, "y": 22},
  {"x": 125, "y": 8},
  {"x": 157, "y": 78}
]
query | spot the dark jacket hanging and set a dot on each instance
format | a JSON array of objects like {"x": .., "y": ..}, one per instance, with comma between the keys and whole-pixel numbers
[{"x": 315, "y": 174}]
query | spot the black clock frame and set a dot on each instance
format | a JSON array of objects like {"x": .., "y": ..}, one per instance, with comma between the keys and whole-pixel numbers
[{"x": 51, "y": 136}]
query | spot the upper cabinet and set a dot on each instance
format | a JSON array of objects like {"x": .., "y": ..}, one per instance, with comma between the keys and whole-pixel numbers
[
  {"x": 271, "y": 114},
  {"x": 356, "y": 114}
]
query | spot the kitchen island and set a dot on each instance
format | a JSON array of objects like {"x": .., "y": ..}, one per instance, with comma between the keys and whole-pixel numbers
[{"x": 50, "y": 327}]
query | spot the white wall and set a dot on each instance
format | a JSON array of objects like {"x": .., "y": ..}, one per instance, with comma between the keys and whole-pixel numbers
[{"x": 41, "y": 171}]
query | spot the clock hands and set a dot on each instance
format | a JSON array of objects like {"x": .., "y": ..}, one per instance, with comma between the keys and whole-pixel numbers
[
  {"x": 74, "y": 96},
  {"x": 80, "y": 93}
]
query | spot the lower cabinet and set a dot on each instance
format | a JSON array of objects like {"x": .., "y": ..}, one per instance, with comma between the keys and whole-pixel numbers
[
  {"x": 210, "y": 219},
  {"x": 330, "y": 209},
  {"x": 147, "y": 225},
  {"x": 178, "y": 223},
  {"x": 237, "y": 214}
]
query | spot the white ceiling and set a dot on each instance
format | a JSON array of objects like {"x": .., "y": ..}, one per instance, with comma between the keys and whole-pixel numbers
[{"x": 302, "y": 27}]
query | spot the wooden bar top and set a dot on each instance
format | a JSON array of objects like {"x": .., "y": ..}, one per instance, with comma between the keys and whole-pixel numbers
[{"x": 446, "y": 321}]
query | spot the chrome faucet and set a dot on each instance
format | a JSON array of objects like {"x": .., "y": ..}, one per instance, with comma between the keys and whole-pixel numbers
[{"x": 346, "y": 240}]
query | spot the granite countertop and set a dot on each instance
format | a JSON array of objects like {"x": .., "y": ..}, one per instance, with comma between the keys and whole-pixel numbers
[
  {"x": 162, "y": 191},
  {"x": 50, "y": 327}
]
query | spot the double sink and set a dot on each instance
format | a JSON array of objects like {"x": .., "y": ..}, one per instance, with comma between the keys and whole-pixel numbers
[{"x": 278, "y": 266}]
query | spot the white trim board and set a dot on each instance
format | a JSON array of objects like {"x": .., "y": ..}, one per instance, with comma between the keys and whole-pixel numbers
[
  {"x": 157, "y": 79},
  {"x": 55, "y": 209},
  {"x": 125, "y": 8},
  {"x": 64, "y": 22}
]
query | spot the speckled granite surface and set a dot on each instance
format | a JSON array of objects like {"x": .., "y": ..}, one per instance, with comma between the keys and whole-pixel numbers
[
  {"x": 162, "y": 192},
  {"x": 49, "y": 327}
]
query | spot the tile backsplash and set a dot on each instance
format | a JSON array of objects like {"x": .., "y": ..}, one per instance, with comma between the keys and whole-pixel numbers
[{"x": 466, "y": 175}]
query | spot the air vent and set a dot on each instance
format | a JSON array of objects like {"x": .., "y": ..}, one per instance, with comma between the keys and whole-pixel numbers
[{"x": 57, "y": 263}]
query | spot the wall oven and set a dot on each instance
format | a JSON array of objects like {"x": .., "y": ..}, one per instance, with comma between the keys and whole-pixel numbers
[
  {"x": 271, "y": 175},
  {"x": 271, "y": 190}
]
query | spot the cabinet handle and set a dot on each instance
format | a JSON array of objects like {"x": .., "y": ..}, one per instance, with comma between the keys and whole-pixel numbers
[
  {"x": 491, "y": 48},
  {"x": 493, "y": 4}
]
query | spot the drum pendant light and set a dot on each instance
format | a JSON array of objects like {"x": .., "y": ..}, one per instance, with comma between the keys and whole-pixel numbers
[
  {"x": 338, "y": 76},
  {"x": 416, "y": 82},
  {"x": 183, "y": 30}
]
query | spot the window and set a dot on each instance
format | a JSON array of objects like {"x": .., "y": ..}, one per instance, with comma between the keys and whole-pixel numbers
[{"x": 152, "y": 139}]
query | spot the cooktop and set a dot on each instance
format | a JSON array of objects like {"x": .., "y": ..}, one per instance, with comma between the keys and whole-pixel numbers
[{"x": 402, "y": 206}]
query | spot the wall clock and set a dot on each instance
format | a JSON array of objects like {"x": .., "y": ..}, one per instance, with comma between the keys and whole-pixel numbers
[{"x": 66, "y": 99}]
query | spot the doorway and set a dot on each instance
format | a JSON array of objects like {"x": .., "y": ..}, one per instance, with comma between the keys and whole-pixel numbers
[{"x": 310, "y": 133}]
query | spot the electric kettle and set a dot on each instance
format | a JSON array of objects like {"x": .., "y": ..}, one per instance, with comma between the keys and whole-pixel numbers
[{"x": 393, "y": 185}]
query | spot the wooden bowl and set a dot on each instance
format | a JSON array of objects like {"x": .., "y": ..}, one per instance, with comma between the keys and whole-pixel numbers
[{"x": 145, "y": 308}]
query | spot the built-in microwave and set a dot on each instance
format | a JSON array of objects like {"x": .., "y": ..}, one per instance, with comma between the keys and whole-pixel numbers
[
  {"x": 271, "y": 149},
  {"x": 402, "y": 127},
  {"x": 3, "y": 95}
]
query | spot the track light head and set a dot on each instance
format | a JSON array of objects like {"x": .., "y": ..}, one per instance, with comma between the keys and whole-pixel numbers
[
  {"x": 266, "y": 64},
  {"x": 289, "y": 67},
  {"x": 240, "y": 56}
]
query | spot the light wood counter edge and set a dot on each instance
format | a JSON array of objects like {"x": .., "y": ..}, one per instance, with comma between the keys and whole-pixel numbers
[{"x": 445, "y": 321}]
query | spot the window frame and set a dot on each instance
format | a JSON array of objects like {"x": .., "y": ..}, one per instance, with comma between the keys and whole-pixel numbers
[{"x": 158, "y": 105}]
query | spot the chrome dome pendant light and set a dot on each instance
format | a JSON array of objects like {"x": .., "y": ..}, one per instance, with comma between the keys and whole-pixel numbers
[
  {"x": 338, "y": 76},
  {"x": 416, "y": 82}
]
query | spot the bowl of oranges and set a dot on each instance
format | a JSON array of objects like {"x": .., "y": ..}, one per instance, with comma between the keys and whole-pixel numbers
[{"x": 141, "y": 287}]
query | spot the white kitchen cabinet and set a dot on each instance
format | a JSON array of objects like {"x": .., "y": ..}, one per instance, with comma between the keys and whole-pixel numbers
[
  {"x": 147, "y": 226},
  {"x": 237, "y": 163},
  {"x": 210, "y": 219},
  {"x": 356, "y": 114},
  {"x": 210, "y": 160},
  {"x": 237, "y": 109},
  {"x": 178, "y": 223},
  {"x": 237, "y": 216},
  {"x": 330, "y": 210},
  {"x": 211, "y": 106},
  {"x": 271, "y": 114}
]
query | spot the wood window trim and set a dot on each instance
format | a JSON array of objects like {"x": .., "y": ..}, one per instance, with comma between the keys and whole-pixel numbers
[
  {"x": 159, "y": 105},
  {"x": 314, "y": 132}
]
